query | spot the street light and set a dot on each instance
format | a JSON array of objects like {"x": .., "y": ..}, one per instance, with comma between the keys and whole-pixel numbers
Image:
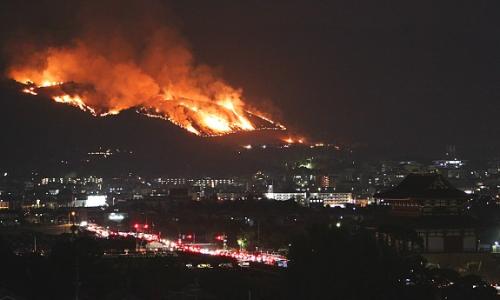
[
  {"x": 223, "y": 239},
  {"x": 137, "y": 246},
  {"x": 73, "y": 217},
  {"x": 242, "y": 242}
]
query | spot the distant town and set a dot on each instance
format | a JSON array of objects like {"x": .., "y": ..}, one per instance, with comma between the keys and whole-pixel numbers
[
  {"x": 446, "y": 210},
  {"x": 331, "y": 179},
  {"x": 249, "y": 150}
]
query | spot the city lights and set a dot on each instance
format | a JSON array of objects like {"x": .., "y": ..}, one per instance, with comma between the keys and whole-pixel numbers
[{"x": 137, "y": 163}]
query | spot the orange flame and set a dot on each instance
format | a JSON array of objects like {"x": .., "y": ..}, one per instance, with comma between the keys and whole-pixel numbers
[{"x": 189, "y": 96}]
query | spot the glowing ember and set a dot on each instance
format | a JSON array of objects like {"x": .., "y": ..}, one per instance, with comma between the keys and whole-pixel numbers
[
  {"x": 30, "y": 90},
  {"x": 75, "y": 101},
  {"x": 47, "y": 83},
  {"x": 294, "y": 140}
]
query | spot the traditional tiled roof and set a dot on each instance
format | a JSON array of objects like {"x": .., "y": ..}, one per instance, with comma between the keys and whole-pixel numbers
[{"x": 432, "y": 186}]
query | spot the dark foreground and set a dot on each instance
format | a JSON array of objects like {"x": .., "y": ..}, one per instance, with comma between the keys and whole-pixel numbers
[{"x": 325, "y": 263}]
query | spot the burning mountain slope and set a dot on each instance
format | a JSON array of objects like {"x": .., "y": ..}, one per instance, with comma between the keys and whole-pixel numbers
[
  {"x": 160, "y": 81},
  {"x": 42, "y": 135}
]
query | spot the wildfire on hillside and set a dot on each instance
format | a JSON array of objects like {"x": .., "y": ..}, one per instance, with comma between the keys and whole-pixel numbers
[
  {"x": 158, "y": 79},
  {"x": 203, "y": 117}
]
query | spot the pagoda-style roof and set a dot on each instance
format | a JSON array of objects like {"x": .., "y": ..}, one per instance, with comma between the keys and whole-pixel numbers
[{"x": 432, "y": 186}]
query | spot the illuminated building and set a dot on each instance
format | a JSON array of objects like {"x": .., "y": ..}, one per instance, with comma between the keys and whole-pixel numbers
[
  {"x": 336, "y": 199},
  {"x": 297, "y": 196},
  {"x": 203, "y": 182},
  {"x": 450, "y": 168},
  {"x": 230, "y": 196},
  {"x": 46, "y": 181},
  {"x": 315, "y": 202},
  {"x": 91, "y": 201},
  {"x": 455, "y": 163},
  {"x": 432, "y": 208},
  {"x": 325, "y": 181},
  {"x": 4, "y": 204},
  {"x": 209, "y": 182},
  {"x": 172, "y": 181},
  {"x": 363, "y": 202},
  {"x": 423, "y": 194}
]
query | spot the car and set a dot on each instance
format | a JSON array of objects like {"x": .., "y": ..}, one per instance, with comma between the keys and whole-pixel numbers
[
  {"x": 244, "y": 264},
  {"x": 204, "y": 266},
  {"x": 226, "y": 265}
]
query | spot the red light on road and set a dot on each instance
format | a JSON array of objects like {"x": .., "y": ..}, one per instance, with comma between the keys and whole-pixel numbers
[
  {"x": 136, "y": 226},
  {"x": 189, "y": 236},
  {"x": 146, "y": 226}
]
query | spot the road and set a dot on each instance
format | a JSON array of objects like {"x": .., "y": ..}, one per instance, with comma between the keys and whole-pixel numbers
[{"x": 160, "y": 244}]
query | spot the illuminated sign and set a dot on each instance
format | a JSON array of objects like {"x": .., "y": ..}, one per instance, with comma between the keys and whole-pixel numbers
[
  {"x": 95, "y": 200},
  {"x": 116, "y": 217}
]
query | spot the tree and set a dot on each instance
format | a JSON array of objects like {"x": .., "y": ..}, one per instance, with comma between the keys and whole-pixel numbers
[{"x": 328, "y": 262}]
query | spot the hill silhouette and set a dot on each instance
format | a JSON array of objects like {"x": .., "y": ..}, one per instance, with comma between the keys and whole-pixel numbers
[{"x": 41, "y": 134}]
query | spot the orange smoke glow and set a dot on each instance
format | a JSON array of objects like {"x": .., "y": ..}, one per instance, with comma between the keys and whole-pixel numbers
[{"x": 165, "y": 84}]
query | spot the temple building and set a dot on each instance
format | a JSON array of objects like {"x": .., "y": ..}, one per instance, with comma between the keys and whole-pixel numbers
[
  {"x": 424, "y": 195},
  {"x": 432, "y": 210}
]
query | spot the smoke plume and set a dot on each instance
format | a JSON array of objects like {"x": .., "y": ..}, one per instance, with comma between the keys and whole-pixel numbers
[{"x": 129, "y": 55}]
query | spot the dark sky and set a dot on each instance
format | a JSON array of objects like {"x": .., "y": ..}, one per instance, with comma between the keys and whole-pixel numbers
[
  {"x": 407, "y": 76},
  {"x": 421, "y": 74}
]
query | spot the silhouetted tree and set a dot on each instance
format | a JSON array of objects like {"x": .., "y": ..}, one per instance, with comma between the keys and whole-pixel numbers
[{"x": 335, "y": 263}]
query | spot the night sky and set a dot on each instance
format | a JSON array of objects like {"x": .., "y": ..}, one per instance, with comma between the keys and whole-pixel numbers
[{"x": 398, "y": 76}]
